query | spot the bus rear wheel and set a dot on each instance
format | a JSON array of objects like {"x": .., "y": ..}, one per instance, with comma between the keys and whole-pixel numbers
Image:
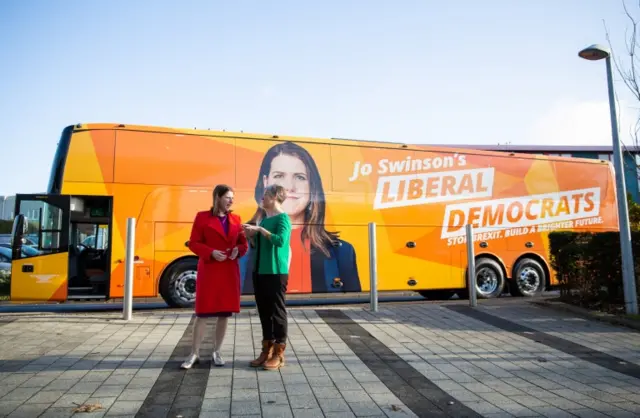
[
  {"x": 529, "y": 278},
  {"x": 178, "y": 284}
]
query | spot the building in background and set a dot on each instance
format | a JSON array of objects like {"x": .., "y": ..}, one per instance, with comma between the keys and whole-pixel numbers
[
  {"x": 631, "y": 157},
  {"x": 8, "y": 206}
]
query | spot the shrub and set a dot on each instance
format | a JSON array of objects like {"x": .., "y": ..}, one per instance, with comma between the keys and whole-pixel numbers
[
  {"x": 5, "y": 227},
  {"x": 5, "y": 284},
  {"x": 5, "y": 277},
  {"x": 589, "y": 268}
]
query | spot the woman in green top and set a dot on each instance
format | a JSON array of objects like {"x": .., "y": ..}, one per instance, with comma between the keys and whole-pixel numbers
[{"x": 270, "y": 276}]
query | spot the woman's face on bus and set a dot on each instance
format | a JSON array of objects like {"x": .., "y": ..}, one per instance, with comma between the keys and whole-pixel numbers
[{"x": 291, "y": 173}]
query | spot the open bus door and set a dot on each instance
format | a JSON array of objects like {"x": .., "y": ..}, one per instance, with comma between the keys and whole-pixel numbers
[{"x": 40, "y": 271}]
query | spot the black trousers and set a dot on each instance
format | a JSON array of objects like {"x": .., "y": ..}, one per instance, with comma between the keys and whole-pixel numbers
[{"x": 269, "y": 291}]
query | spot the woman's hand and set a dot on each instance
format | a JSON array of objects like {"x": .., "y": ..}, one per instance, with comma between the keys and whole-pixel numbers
[
  {"x": 218, "y": 255},
  {"x": 250, "y": 230},
  {"x": 258, "y": 229},
  {"x": 234, "y": 253}
]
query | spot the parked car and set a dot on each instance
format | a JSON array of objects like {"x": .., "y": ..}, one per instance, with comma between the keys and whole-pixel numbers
[
  {"x": 5, "y": 270},
  {"x": 32, "y": 239},
  {"x": 5, "y": 239},
  {"x": 5, "y": 263},
  {"x": 26, "y": 250},
  {"x": 5, "y": 259},
  {"x": 27, "y": 240}
]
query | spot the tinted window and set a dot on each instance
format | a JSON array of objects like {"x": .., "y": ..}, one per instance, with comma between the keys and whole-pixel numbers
[
  {"x": 49, "y": 222},
  {"x": 29, "y": 251},
  {"x": 57, "y": 167}
]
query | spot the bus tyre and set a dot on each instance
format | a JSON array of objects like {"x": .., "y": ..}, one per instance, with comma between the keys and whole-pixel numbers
[
  {"x": 178, "y": 284},
  {"x": 490, "y": 280},
  {"x": 528, "y": 278},
  {"x": 437, "y": 294}
]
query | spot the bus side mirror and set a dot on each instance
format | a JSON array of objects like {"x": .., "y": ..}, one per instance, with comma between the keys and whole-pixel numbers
[{"x": 18, "y": 231}]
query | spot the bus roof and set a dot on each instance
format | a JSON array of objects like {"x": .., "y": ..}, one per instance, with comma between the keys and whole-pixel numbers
[{"x": 461, "y": 149}]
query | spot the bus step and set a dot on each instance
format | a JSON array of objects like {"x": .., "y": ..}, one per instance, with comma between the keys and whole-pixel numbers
[{"x": 86, "y": 297}]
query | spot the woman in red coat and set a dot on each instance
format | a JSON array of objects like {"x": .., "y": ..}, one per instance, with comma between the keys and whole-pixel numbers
[{"x": 217, "y": 238}]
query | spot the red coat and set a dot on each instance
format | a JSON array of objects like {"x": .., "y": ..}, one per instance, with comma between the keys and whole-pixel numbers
[{"x": 217, "y": 282}]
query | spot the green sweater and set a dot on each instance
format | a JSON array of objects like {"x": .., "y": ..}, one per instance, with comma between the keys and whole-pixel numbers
[{"x": 273, "y": 254}]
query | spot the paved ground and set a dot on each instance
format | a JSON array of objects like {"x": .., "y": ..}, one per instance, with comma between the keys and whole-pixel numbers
[{"x": 419, "y": 359}]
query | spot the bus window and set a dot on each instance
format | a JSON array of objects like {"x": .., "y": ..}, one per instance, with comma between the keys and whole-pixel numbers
[
  {"x": 45, "y": 222},
  {"x": 91, "y": 236},
  {"x": 50, "y": 228}
]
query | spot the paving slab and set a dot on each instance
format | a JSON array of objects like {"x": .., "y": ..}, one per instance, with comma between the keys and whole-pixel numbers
[{"x": 407, "y": 360}]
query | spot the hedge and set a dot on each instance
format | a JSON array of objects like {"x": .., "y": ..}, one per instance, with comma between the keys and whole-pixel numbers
[
  {"x": 5, "y": 227},
  {"x": 588, "y": 267}
]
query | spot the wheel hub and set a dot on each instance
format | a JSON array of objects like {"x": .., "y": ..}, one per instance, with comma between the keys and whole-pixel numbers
[
  {"x": 529, "y": 279},
  {"x": 185, "y": 286},
  {"x": 487, "y": 280}
]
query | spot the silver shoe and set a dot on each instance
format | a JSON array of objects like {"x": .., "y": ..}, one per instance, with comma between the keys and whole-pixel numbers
[
  {"x": 190, "y": 361},
  {"x": 217, "y": 359}
]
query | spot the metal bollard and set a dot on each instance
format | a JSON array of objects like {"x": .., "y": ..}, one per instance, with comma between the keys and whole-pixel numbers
[
  {"x": 373, "y": 268},
  {"x": 127, "y": 306},
  {"x": 471, "y": 268}
]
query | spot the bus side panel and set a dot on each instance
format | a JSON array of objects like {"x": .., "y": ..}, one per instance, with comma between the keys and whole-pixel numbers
[
  {"x": 600, "y": 176},
  {"x": 407, "y": 194},
  {"x": 171, "y": 209},
  {"x": 151, "y": 170},
  {"x": 511, "y": 202},
  {"x": 169, "y": 246},
  {"x": 91, "y": 157},
  {"x": 128, "y": 200},
  {"x": 143, "y": 284},
  {"x": 420, "y": 196}
]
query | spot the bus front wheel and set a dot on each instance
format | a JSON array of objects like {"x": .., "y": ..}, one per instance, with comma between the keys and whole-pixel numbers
[{"x": 178, "y": 284}]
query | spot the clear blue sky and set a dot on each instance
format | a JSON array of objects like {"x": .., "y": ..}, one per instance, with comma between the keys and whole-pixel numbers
[{"x": 415, "y": 71}]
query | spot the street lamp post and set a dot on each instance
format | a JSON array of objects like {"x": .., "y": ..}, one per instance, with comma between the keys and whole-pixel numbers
[{"x": 595, "y": 53}]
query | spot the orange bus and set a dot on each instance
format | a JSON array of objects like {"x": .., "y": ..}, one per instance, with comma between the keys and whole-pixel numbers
[{"x": 420, "y": 197}]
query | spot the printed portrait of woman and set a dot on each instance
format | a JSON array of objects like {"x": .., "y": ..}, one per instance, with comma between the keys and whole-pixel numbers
[{"x": 320, "y": 261}]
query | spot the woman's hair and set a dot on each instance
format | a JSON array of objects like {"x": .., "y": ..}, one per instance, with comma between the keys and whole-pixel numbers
[
  {"x": 277, "y": 192},
  {"x": 314, "y": 213},
  {"x": 219, "y": 191}
]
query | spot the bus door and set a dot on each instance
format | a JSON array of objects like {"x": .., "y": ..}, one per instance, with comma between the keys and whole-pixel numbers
[
  {"x": 90, "y": 247},
  {"x": 40, "y": 248}
]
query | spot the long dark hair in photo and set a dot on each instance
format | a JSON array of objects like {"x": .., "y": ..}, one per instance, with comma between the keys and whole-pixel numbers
[{"x": 314, "y": 214}]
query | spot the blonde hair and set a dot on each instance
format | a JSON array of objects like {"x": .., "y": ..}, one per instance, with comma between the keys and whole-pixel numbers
[{"x": 276, "y": 191}]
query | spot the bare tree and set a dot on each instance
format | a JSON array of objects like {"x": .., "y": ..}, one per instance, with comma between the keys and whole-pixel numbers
[{"x": 629, "y": 68}]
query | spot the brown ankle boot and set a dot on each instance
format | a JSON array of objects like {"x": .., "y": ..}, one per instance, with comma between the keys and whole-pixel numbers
[
  {"x": 267, "y": 350},
  {"x": 277, "y": 358}
]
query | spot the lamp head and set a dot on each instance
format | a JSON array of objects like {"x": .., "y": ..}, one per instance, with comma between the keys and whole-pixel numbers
[{"x": 594, "y": 52}]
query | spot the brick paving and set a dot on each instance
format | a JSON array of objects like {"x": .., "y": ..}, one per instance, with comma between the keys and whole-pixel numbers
[{"x": 407, "y": 360}]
